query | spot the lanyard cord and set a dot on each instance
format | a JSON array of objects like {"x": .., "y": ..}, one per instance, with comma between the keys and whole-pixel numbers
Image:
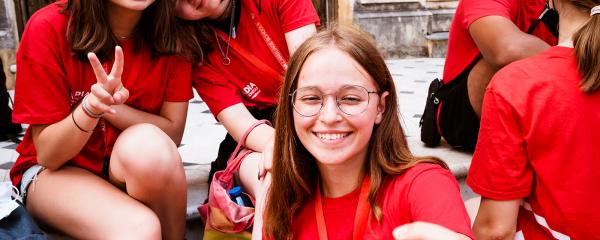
[{"x": 362, "y": 212}]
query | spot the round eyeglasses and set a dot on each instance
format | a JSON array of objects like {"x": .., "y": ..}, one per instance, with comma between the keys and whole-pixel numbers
[{"x": 350, "y": 99}]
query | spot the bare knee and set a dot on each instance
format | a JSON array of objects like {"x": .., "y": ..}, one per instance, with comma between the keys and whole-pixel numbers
[{"x": 147, "y": 152}]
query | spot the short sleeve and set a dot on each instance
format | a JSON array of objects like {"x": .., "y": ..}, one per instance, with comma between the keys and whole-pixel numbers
[
  {"x": 179, "y": 84},
  {"x": 294, "y": 14},
  {"x": 500, "y": 169},
  {"x": 41, "y": 89},
  {"x": 434, "y": 197},
  {"x": 476, "y": 9},
  {"x": 214, "y": 88}
]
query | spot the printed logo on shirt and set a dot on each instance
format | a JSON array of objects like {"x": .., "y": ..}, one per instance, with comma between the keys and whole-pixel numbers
[
  {"x": 76, "y": 96},
  {"x": 251, "y": 90}
]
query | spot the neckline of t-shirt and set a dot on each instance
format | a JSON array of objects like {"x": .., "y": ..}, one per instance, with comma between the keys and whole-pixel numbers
[
  {"x": 561, "y": 48},
  {"x": 560, "y": 51},
  {"x": 350, "y": 198}
]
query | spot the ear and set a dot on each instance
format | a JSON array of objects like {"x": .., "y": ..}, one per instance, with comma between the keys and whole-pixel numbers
[{"x": 381, "y": 106}]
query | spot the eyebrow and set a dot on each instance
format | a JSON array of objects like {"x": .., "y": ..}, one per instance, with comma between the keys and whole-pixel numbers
[{"x": 345, "y": 85}]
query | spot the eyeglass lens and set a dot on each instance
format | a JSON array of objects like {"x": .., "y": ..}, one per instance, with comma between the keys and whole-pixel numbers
[{"x": 352, "y": 100}]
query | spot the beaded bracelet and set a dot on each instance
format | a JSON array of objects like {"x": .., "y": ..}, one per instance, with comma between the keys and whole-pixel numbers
[
  {"x": 80, "y": 128},
  {"x": 87, "y": 111}
]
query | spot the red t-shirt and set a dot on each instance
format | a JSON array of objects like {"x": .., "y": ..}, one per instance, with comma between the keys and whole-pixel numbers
[
  {"x": 426, "y": 192},
  {"x": 539, "y": 141},
  {"x": 462, "y": 50},
  {"x": 242, "y": 81},
  {"x": 51, "y": 82}
]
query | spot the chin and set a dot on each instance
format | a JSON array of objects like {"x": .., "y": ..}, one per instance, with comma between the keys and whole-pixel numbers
[
  {"x": 139, "y": 6},
  {"x": 332, "y": 158}
]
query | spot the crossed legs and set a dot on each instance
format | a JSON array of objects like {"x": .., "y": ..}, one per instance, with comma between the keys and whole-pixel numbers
[{"x": 145, "y": 164}]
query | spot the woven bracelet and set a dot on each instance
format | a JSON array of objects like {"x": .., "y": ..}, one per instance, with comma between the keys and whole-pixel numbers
[{"x": 87, "y": 111}]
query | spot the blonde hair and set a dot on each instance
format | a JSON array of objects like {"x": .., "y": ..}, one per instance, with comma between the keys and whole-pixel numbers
[{"x": 587, "y": 47}]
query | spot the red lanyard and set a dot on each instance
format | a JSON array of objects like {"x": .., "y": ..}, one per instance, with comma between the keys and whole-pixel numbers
[
  {"x": 274, "y": 50},
  {"x": 362, "y": 212}
]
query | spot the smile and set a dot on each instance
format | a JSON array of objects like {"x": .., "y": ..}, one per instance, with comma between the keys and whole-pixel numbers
[{"x": 332, "y": 136}]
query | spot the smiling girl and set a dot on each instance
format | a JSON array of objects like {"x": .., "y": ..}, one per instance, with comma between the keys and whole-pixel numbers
[
  {"x": 341, "y": 167},
  {"x": 99, "y": 159}
]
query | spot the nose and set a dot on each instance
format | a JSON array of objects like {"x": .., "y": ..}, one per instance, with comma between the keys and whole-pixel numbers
[{"x": 329, "y": 111}]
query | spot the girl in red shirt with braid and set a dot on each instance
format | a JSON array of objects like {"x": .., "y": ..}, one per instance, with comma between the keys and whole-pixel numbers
[{"x": 536, "y": 165}]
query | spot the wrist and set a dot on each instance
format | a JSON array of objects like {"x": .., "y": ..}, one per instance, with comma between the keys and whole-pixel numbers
[{"x": 88, "y": 111}]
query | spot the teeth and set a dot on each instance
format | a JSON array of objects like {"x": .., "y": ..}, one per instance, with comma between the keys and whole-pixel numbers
[{"x": 331, "y": 136}]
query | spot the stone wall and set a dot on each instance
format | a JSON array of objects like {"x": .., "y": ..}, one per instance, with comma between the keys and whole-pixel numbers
[
  {"x": 8, "y": 38},
  {"x": 406, "y": 28}
]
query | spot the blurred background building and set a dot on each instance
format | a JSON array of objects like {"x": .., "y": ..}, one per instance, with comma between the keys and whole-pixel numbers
[
  {"x": 402, "y": 28},
  {"x": 13, "y": 17}
]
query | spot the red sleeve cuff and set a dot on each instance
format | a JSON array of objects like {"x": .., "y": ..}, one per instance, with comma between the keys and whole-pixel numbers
[{"x": 494, "y": 194}]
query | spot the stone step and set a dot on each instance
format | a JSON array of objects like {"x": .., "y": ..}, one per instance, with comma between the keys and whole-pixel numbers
[
  {"x": 441, "y": 19},
  {"x": 437, "y": 44},
  {"x": 403, "y": 29}
]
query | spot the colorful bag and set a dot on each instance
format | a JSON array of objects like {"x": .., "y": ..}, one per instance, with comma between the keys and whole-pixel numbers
[{"x": 220, "y": 214}]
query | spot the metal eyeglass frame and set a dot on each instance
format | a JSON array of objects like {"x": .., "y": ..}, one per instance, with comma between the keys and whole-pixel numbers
[{"x": 291, "y": 95}]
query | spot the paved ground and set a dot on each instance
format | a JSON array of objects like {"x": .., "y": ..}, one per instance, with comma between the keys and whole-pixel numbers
[{"x": 203, "y": 134}]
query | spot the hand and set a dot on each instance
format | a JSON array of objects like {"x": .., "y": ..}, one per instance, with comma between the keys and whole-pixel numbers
[
  {"x": 266, "y": 163},
  {"x": 108, "y": 90},
  {"x": 425, "y": 231}
]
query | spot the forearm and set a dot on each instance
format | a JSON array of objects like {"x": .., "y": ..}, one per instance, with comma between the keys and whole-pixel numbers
[
  {"x": 501, "y": 42},
  {"x": 248, "y": 174},
  {"x": 496, "y": 219},
  {"x": 486, "y": 231},
  {"x": 127, "y": 116},
  {"x": 525, "y": 46},
  {"x": 59, "y": 142},
  {"x": 237, "y": 120},
  {"x": 260, "y": 137}
]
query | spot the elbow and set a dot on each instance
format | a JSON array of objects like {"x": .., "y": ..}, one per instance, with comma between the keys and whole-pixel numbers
[
  {"x": 493, "y": 231},
  {"x": 45, "y": 162},
  {"x": 505, "y": 56}
]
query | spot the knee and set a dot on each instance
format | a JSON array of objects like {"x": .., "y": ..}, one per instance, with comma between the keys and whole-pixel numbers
[{"x": 147, "y": 151}]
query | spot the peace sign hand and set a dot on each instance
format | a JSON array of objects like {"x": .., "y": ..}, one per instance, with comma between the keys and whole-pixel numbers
[{"x": 108, "y": 90}]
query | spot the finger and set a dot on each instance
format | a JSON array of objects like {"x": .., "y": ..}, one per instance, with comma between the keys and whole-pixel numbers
[
  {"x": 101, "y": 94},
  {"x": 268, "y": 159},
  {"x": 97, "y": 67},
  {"x": 117, "y": 68},
  {"x": 261, "y": 166},
  {"x": 267, "y": 163},
  {"x": 424, "y": 231},
  {"x": 97, "y": 107},
  {"x": 121, "y": 95}
]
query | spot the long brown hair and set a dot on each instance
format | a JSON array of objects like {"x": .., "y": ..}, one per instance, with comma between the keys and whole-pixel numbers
[
  {"x": 587, "y": 47},
  {"x": 158, "y": 29},
  {"x": 295, "y": 173}
]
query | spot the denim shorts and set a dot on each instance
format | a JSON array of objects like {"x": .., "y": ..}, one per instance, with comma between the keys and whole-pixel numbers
[
  {"x": 20, "y": 225},
  {"x": 29, "y": 177}
]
